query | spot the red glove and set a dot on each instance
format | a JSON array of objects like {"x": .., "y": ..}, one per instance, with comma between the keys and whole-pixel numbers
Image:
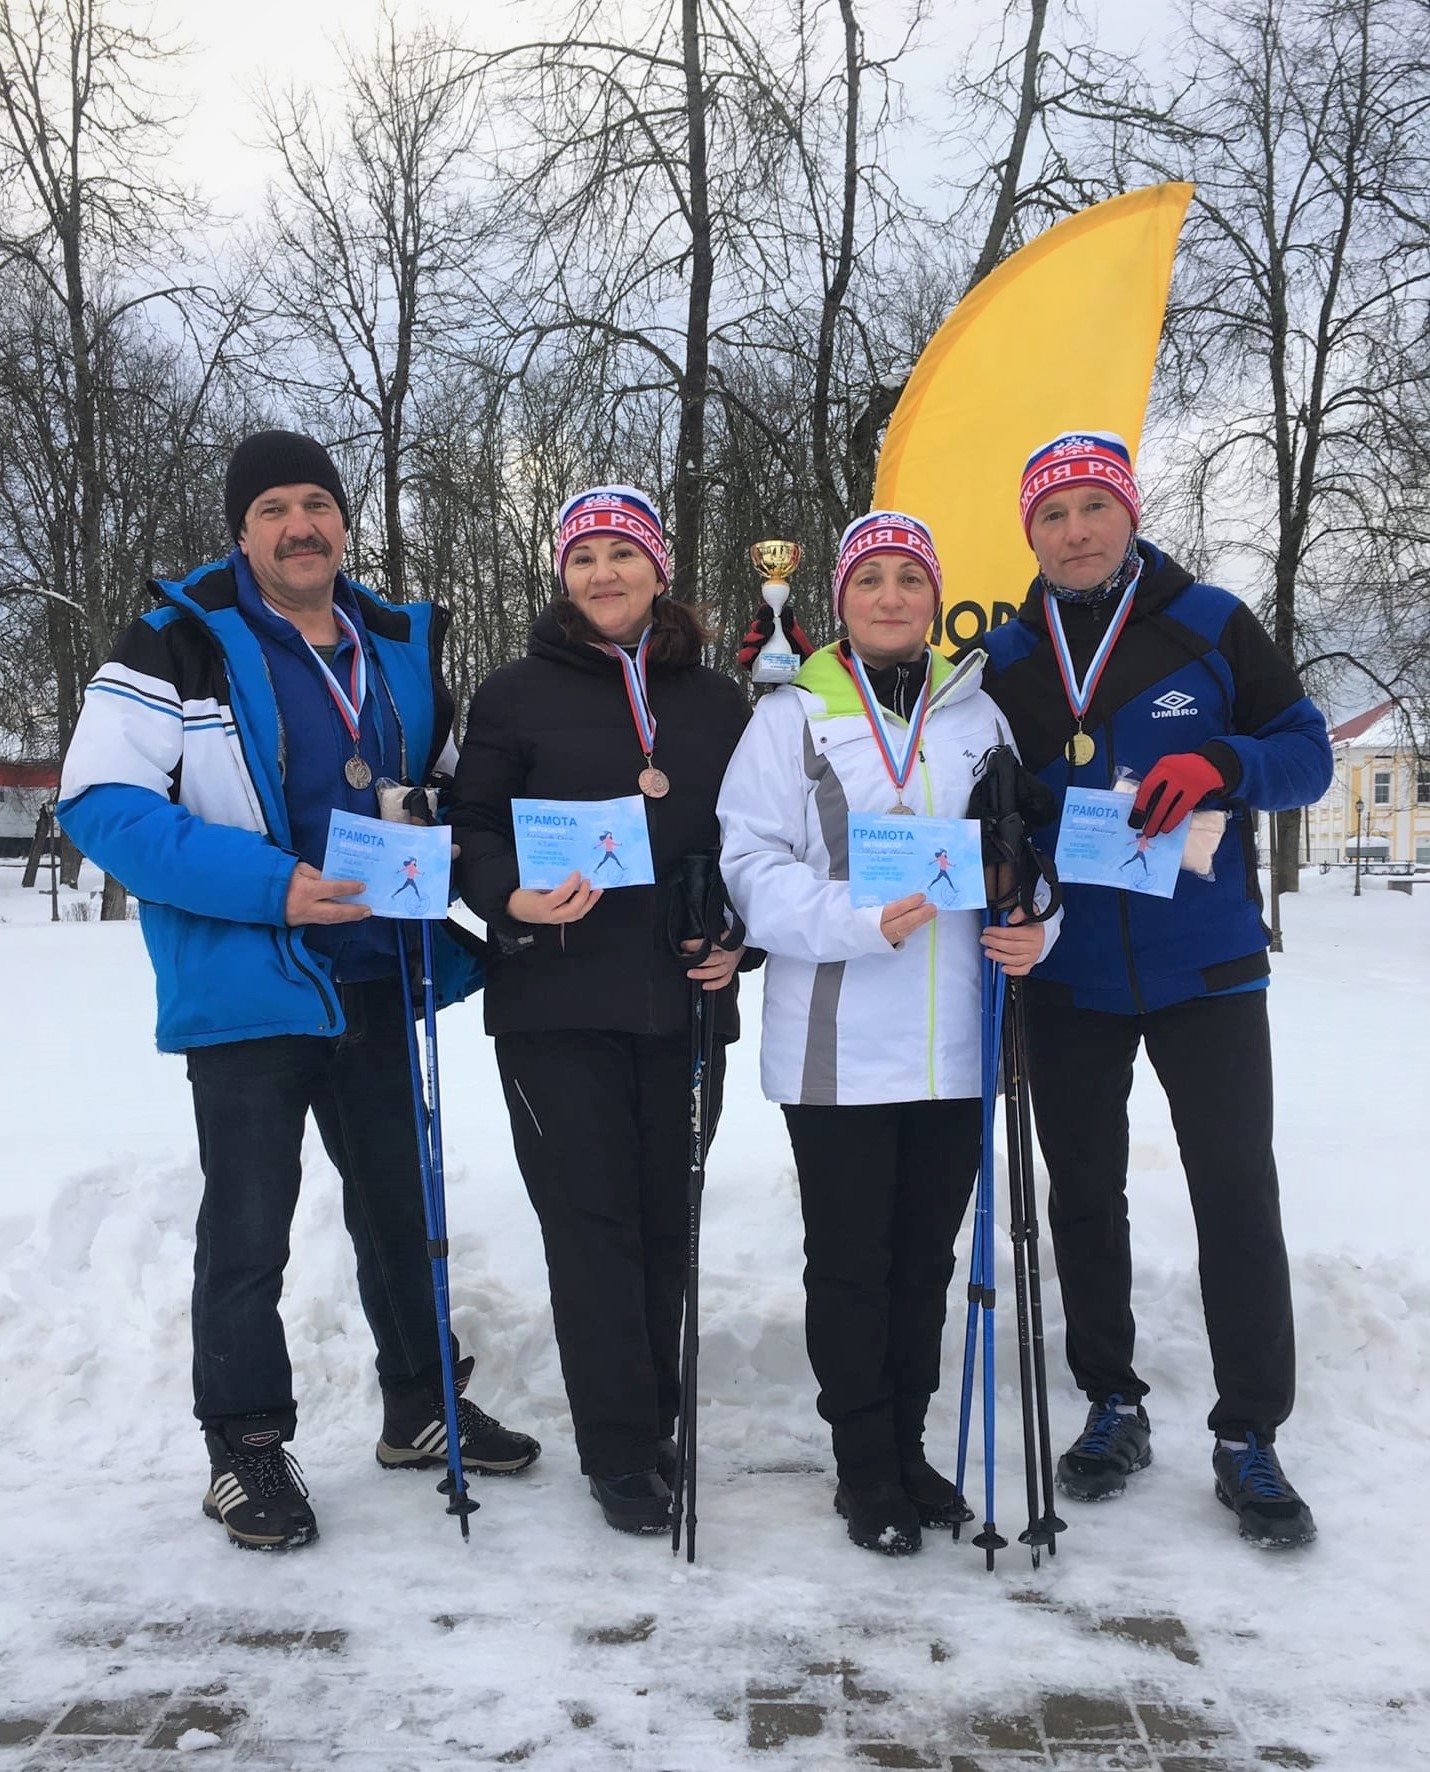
[
  {"x": 1170, "y": 789},
  {"x": 760, "y": 630}
]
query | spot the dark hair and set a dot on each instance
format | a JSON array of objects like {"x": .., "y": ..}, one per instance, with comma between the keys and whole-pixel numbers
[{"x": 679, "y": 631}]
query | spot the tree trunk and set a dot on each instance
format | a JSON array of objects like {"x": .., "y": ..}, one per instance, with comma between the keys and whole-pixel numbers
[
  {"x": 1288, "y": 850},
  {"x": 70, "y": 860},
  {"x": 694, "y": 387},
  {"x": 39, "y": 844},
  {"x": 114, "y": 906}
]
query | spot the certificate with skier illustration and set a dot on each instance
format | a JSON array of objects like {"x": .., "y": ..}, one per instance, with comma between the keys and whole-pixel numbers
[
  {"x": 406, "y": 869},
  {"x": 891, "y": 856},
  {"x": 1097, "y": 846},
  {"x": 606, "y": 841}
]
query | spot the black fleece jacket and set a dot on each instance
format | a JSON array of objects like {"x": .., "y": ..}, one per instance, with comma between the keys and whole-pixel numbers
[{"x": 557, "y": 725}]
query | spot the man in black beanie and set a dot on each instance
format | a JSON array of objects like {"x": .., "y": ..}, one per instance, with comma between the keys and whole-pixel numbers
[{"x": 267, "y": 691}]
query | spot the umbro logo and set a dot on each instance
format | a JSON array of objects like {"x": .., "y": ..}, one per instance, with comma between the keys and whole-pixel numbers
[{"x": 1174, "y": 705}]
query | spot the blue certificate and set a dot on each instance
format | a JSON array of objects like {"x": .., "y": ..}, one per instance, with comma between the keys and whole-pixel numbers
[
  {"x": 1097, "y": 847},
  {"x": 891, "y": 857},
  {"x": 607, "y": 841},
  {"x": 406, "y": 869}
]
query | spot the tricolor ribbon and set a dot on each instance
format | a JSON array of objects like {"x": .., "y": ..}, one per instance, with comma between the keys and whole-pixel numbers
[
  {"x": 902, "y": 767},
  {"x": 636, "y": 691},
  {"x": 349, "y": 700},
  {"x": 1080, "y": 694}
]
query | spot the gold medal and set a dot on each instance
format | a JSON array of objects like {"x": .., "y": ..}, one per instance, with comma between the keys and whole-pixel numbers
[
  {"x": 653, "y": 783},
  {"x": 357, "y": 772},
  {"x": 1080, "y": 749}
]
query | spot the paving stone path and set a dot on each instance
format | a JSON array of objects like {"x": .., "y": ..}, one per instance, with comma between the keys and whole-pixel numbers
[{"x": 820, "y": 1715}]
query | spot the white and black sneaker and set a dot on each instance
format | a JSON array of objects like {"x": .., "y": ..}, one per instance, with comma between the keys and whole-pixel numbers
[
  {"x": 414, "y": 1432},
  {"x": 255, "y": 1487}
]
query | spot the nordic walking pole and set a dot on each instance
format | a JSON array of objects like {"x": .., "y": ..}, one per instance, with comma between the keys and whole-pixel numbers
[
  {"x": 1018, "y": 1234},
  {"x": 698, "y": 912},
  {"x": 416, "y": 806},
  {"x": 1049, "y": 1522},
  {"x": 683, "y": 1490},
  {"x": 427, "y": 1116},
  {"x": 989, "y": 1541},
  {"x": 1007, "y": 801}
]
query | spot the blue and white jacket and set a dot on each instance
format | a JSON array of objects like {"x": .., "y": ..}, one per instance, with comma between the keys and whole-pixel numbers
[
  {"x": 173, "y": 783},
  {"x": 1193, "y": 670}
]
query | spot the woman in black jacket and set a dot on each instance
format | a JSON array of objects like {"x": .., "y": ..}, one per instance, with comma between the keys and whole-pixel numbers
[{"x": 588, "y": 1003}]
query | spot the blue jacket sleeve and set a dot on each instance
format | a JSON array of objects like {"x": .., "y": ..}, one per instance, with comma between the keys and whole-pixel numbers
[
  {"x": 1278, "y": 754},
  {"x": 163, "y": 853}
]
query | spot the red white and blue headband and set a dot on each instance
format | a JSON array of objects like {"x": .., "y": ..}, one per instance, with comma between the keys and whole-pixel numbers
[
  {"x": 1080, "y": 458},
  {"x": 883, "y": 532},
  {"x": 611, "y": 510}
]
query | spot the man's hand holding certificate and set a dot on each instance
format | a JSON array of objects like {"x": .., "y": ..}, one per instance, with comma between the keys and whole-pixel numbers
[
  {"x": 406, "y": 869},
  {"x": 1097, "y": 846}
]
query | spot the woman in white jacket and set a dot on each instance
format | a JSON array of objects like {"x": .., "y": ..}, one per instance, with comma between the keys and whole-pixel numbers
[{"x": 871, "y": 1016}]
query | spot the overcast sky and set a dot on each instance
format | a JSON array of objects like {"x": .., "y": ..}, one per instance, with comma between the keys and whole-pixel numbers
[{"x": 233, "y": 47}]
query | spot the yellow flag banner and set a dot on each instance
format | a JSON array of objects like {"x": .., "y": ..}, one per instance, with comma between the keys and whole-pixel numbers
[{"x": 1062, "y": 336}]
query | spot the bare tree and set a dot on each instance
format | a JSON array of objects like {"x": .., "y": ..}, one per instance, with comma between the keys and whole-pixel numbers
[
  {"x": 369, "y": 220},
  {"x": 1298, "y": 325}
]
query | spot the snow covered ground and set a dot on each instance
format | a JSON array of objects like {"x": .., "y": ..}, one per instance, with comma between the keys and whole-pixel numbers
[{"x": 554, "y": 1642}]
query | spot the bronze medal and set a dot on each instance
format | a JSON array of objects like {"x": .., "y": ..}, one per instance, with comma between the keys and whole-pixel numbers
[
  {"x": 899, "y": 810},
  {"x": 653, "y": 783},
  {"x": 357, "y": 772},
  {"x": 1080, "y": 749}
]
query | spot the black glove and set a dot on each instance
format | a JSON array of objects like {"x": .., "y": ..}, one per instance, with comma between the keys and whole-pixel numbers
[{"x": 699, "y": 910}]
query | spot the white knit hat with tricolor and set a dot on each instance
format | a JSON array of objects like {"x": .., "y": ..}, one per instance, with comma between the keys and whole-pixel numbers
[{"x": 883, "y": 532}]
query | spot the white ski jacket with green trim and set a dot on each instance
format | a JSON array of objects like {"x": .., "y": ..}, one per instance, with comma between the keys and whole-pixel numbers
[{"x": 848, "y": 1019}]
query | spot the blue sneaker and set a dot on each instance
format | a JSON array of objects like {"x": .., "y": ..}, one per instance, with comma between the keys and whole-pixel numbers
[
  {"x": 1250, "y": 1481},
  {"x": 1107, "y": 1451}
]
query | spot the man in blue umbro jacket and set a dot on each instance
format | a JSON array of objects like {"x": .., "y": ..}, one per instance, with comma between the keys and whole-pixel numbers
[
  {"x": 265, "y": 691},
  {"x": 1120, "y": 665}
]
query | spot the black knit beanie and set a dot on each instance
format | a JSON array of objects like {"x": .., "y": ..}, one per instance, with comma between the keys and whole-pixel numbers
[{"x": 277, "y": 458}]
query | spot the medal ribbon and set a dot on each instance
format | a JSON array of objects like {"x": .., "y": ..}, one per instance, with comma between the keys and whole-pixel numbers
[
  {"x": 636, "y": 692},
  {"x": 349, "y": 701},
  {"x": 1080, "y": 694},
  {"x": 899, "y": 769}
]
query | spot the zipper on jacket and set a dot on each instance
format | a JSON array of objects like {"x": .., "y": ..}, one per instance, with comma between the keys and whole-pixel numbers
[
  {"x": 933, "y": 947},
  {"x": 1124, "y": 909},
  {"x": 309, "y": 972},
  {"x": 325, "y": 995}
]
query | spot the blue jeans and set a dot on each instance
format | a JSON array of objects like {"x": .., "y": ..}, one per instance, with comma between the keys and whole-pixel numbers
[{"x": 251, "y": 1099}]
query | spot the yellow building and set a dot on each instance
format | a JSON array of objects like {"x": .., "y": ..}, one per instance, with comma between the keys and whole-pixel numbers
[{"x": 1380, "y": 767}]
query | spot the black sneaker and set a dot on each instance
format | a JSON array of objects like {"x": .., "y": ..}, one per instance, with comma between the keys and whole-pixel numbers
[
  {"x": 880, "y": 1518},
  {"x": 414, "y": 1432},
  {"x": 1107, "y": 1451},
  {"x": 1250, "y": 1481},
  {"x": 255, "y": 1487},
  {"x": 639, "y": 1502},
  {"x": 938, "y": 1501}
]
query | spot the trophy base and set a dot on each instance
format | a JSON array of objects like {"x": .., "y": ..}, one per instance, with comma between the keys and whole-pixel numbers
[{"x": 778, "y": 667}]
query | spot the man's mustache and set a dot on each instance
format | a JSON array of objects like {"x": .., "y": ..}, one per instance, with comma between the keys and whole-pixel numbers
[{"x": 313, "y": 545}]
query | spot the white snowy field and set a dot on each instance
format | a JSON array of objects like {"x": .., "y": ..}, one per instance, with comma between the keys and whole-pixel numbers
[{"x": 553, "y": 1641}]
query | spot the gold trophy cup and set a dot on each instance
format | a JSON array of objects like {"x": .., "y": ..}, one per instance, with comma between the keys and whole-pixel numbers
[{"x": 777, "y": 661}]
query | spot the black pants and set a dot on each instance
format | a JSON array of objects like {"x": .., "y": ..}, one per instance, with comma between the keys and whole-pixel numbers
[
  {"x": 884, "y": 1191},
  {"x": 1212, "y": 1057},
  {"x": 601, "y": 1125},
  {"x": 251, "y": 1099}
]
